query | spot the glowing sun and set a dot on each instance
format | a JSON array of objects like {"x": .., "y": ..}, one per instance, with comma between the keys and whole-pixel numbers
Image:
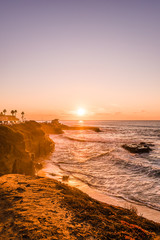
[{"x": 81, "y": 112}]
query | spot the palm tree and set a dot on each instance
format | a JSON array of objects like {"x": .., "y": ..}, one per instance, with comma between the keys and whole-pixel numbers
[
  {"x": 15, "y": 112},
  {"x": 22, "y": 113},
  {"x": 4, "y": 111},
  {"x": 12, "y": 112}
]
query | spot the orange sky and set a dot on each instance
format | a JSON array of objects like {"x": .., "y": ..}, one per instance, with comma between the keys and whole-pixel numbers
[{"x": 103, "y": 56}]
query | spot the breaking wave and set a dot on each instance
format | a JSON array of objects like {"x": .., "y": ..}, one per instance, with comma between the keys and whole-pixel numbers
[
  {"x": 98, "y": 160},
  {"x": 84, "y": 140}
]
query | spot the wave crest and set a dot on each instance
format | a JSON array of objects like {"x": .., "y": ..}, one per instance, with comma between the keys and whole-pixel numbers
[{"x": 84, "y": 140}]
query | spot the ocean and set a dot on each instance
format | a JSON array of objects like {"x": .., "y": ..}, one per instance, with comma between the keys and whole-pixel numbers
[{"x": 98, "y": 159}]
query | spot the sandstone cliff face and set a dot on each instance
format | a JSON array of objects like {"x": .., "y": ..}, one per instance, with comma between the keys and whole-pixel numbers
[
  {"x": 36, "y": 141},
  {"x": 20, "y": 144}
]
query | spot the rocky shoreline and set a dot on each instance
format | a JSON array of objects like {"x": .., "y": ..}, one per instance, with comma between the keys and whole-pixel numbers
[
  {"x": 21, "y": 145},
  {"x": 55, "y": 127},
  {"x": 41, "y": 208}
]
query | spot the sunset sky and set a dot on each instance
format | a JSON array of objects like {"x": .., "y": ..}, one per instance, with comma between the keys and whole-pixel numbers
[{"x": 103, "y": 56}]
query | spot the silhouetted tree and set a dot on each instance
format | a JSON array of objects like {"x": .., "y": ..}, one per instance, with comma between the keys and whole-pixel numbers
[
  {"x": 4, "y": 111},
  {"x": 22, "y": 113},
  {"x": 12, "y": 112},
  {"x": 15, "y": 112}
]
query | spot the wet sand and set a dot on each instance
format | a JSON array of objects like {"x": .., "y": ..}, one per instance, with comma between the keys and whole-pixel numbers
[{"x": 142, "y": 210}]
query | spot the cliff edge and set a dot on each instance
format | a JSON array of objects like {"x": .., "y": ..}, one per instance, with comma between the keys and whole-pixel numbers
[
  {"x": 20, "y": 145},
  {"x": 36, "y": 208}
]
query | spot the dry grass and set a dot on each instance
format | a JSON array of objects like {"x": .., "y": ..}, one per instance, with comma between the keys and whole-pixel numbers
[{"x": 42, "y": 208}]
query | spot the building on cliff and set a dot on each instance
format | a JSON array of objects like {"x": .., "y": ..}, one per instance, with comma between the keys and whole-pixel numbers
[{"x": 8, "y": 119}]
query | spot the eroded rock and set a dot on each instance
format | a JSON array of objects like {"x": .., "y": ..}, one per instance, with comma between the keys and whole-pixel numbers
[
  {"x": 138, "y": 148},
  {"x": 19, "y": 143}
]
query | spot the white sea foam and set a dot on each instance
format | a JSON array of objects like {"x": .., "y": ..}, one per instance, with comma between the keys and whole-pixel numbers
[{"x": 99, "y": 160}]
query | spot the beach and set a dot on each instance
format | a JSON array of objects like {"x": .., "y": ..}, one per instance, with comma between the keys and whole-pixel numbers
[
  {"x": 47, "y": 203},
  {"x": 141, "y": 210},
  {"x": 97, "y": 164}
]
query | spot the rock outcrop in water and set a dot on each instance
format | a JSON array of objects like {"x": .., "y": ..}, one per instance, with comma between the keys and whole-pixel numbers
[
  {"x": 95, "y": 129},
  {"x": 20, "y": 145},
  {"x": 138, "y": 148},
  {"x": 55, "y": 127}
]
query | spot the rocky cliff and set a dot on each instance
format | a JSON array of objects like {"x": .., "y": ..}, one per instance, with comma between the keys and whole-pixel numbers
[
  {"x": 20, "y": 145},
  {"x": 55, "y": 127}
]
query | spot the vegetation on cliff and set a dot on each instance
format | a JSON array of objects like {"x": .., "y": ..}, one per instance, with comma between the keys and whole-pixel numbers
[{"x": 36, "y": 208}]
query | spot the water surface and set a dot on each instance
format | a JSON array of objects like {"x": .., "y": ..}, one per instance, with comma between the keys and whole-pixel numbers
[{"x": 98, "y": 159}]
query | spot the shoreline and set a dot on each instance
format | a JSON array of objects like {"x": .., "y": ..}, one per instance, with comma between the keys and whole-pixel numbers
[
  {"x": 142, "y": 210},
  {"x": 38, "y": 207},
  {"x": 43, "y": 208}
]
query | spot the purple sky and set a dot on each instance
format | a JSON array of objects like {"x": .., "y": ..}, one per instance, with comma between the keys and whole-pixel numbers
[{"x": 57, "y": 56}]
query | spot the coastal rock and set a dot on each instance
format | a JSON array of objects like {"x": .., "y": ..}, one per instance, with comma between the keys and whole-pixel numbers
[
  {"x": 38, "y": 166},
  {"x": 55, "y": 127},
  {"x": 13, "y": 156},
  {"x": 65, "y": 178},
  {"x": 20, "y": 145},
  {"x": 138, "y": 148},
  {"x": 95, "y": 129},
  {"x": 37, "y": 143}
]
